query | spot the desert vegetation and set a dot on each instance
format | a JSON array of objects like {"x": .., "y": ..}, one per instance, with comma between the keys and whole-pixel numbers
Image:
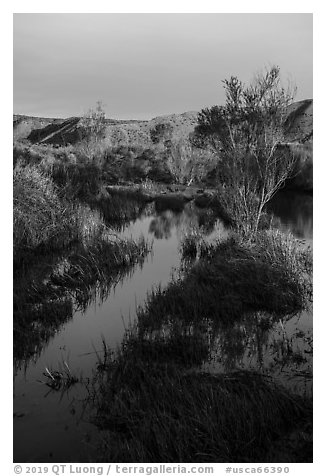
[
  {"x": 253, "y": 279},
  {"x": 153, "y": 397},
  {"x": 248, "y": 134},
  {"x": 66, "y": 248},
  {"x": 223, "y": 288}
]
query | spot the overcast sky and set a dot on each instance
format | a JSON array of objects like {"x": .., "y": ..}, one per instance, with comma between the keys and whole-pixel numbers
[{"x": 145, "y": 65}]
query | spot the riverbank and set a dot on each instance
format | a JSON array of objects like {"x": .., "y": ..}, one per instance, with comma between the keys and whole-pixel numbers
[
  {"x": 155, "y": 386},
  {"x": 188, "y": 347}
]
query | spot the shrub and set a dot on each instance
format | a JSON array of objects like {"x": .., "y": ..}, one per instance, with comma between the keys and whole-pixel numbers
[
  {"x": 92, "y": 129},
  {"x": 82, "y": 181},
  {"x": 162, "y": 132},
  {"x": 40, "y": 217},
  {"x": 282, "y": 251},
  {"x": 233, "y": 278},
  {"x": 187, "y": 163},
  {"x": 248, "y": 135}
]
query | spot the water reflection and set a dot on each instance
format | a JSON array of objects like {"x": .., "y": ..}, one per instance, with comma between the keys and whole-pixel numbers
[
  {"x": 47, "y": 429},
  {"x": 189, "y": 220},
  {"x": 293, "y": 211},
  {"x": 161, "y": 226},
  {"x": 76, "y": 336},
  {"x": 281, "y": 348},
  {"x": 48, "y": 293}
]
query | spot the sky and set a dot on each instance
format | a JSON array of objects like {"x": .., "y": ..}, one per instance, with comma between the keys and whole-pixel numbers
[{"x": 145, "y": 65}]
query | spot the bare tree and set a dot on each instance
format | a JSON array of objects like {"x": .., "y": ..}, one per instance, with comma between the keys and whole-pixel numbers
[
  {"x": 248, "y": 135},
  {"x": 92, "y": 128},
  {"x": 187, "y": 163}
]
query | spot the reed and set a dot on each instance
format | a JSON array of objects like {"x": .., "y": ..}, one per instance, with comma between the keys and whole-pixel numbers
[{"x": 157, "y": 412}]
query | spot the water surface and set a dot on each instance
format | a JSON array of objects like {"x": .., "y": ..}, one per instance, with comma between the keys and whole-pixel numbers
[
  {"x": 54, "y": 426},
  {"x": 49, "y": 425},
  {"x": 294, "y": 212}
]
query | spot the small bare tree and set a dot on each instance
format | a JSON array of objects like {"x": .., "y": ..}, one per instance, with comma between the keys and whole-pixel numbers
[
  {"x": 187, "y": 163},
  {"x": 248, "y": 135},
  {"x": 92, "y": 128}
]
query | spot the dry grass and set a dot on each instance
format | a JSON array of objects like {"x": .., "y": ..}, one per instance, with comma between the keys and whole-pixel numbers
[
  {"x": 157, "y": 412},
  {"x": 40, "y": 217},
  {"x": 153, "y": 405},
  {"x": 235, "y": 277}
]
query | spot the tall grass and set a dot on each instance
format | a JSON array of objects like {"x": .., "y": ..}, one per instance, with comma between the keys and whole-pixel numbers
[
  {"x": 47, "y": 293},
  {"x": 65, "y": 256},
  {"x": 121, "y": 207},
  {"x": 44, "y": 220},
  {"x": 94, "y": 269},
  {"x": 45, "y": 215},
  {"x": 40, "y": 216},
  {"x": 234, "y": 277},
  {"x": 194, "y": 245},
  {"x": 283, "y": 250},
  {"x": 156, "y": 412},
  {"x": 85, "y": 175},
  {"x": 152, "y": 399}
]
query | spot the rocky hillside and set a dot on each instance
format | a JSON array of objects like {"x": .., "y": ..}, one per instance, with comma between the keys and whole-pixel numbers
[
  {"x": 300, "y": 122},
  {"x": 24, "y": 125},
  {"x": 65, "y": 131},
  {"x": 118, "y": 132}
]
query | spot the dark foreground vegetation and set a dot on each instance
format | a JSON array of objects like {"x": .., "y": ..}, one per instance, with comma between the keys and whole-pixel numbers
[
  {"x": 154, "y": 398},
  {"x": 155, "y": 401},
  {"x": 158, "y": 413}
]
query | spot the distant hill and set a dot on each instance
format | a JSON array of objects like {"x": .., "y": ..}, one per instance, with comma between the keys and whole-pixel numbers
[
  {"x": 118, "y": 132},
  {"x": 300, "y": 121},
  {"x": 127, "y": 132},
  {"x": 24, "y": 125}
]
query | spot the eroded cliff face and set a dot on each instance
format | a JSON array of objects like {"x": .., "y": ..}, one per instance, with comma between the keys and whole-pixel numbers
[
  {"x": 24, "y": 125},
  {"x": 300, "y": 121}
]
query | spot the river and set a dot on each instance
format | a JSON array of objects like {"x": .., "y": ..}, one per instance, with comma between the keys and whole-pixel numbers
[{"x": 53, "y": 426}]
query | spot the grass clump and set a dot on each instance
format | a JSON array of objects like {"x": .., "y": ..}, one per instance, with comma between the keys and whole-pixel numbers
[
  {"x": 154, "y": 412},
  {"x": 194, "y": 246},
  {"x": 185, "y": 346},
  {"x": 46, "y": 222},
  {"x": 47, "y": 293},
  {"x": 45, "y": 219},
  {"x": 60, "y": 379},
  {"x": 40, "y": 217},
  {"x": 153, "y": 399},
  {"x": 65, "y": 256},
  {"x": 283, "y": 250},
  {"x": 99, "y": 265},
  {"x": 119, "y": 209},
  {"x": 234, "y": 277}
]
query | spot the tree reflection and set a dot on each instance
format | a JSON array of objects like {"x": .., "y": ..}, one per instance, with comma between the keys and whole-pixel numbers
[
  {"x": 190, "y": 219},
  {"x": 293, "y": 211},
  {"x": 255, "y": 341}
]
